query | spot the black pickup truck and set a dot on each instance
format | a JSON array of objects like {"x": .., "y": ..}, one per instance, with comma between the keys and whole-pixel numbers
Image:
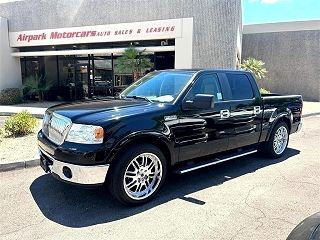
[{"x": 177, "y": 120}]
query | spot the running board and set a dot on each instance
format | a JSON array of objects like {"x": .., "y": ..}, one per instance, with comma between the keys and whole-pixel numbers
[{"x": 212, "y": 162}]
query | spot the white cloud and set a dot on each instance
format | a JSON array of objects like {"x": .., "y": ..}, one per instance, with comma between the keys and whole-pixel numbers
[{"x": 267, "y": 1}]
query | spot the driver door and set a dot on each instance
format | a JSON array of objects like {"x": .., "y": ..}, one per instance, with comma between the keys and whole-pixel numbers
[{"x": 203, "y": 131}]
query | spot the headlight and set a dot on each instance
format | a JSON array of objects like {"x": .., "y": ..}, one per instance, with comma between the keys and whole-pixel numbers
[{"x": 86, "y": 134}]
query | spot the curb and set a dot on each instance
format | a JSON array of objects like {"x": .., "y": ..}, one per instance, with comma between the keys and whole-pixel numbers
[
  {"x": 7, "y": 114},
  {"x": 310, "y": 114},
  {"x": 4, "y": 167}
]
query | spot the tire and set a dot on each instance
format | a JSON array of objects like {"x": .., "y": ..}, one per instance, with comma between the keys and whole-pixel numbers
[
  {"x": 278, "y": 141},
  {"x": 145, "y": 168}
]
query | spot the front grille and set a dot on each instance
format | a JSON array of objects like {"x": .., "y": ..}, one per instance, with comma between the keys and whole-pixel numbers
[{"x": 55, "y": 127}]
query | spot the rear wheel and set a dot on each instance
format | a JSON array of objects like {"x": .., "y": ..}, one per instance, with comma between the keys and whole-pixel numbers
[
  {"x": 137, "y": 175},
  {"x": 278, "y": 141}
]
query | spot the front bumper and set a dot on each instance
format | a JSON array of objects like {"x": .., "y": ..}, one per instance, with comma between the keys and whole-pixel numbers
[{"x": 84, "y": 175}]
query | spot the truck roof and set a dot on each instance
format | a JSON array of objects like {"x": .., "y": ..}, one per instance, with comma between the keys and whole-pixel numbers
[{"x": 203, "y": 69}]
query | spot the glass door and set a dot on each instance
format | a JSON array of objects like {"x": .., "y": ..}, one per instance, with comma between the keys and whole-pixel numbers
[
  {"x": 101, "y": 78},
  {"x": 73, "y": 74}
]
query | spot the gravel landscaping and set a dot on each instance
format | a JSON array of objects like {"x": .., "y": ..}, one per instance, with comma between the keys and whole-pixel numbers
[{"x": 19, "y": 148}]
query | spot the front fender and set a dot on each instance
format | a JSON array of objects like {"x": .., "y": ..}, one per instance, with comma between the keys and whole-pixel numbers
[{"x": 151, "y": 137}]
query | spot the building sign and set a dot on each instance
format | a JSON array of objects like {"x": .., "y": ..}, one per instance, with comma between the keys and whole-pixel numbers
[{"x": 160, "y": 29}]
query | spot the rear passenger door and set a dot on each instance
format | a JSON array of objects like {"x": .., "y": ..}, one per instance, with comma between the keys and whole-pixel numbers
[{"x": 245, "y": 109}]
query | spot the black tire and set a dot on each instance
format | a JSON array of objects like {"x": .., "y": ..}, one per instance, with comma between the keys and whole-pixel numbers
[
  {"x": 268, "y": 147},
  {"x": 116, "y": 175}
]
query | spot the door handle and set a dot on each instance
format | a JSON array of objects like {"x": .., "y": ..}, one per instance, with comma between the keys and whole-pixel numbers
[
  {"x": 225, "y": 113},
  {"x": 256, "y": 110}
]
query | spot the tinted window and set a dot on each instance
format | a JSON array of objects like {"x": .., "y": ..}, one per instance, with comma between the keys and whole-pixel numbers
[
  {"x": 206, "y": 84},
  {"x": 240, "y": 86}
]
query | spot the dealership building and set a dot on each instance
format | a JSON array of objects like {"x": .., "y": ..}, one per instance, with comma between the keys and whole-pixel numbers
[{"x": 74, "y": 44}]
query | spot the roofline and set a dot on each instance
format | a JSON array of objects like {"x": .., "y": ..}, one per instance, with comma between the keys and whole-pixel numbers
[
  {"x": 202, "y": 69},
  {"x": 282, "y": 27}
]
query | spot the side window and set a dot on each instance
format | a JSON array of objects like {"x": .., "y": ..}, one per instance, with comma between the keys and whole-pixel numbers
[
  {"x": 206, "y": 84},
  {"x": 240, "y": 86}
]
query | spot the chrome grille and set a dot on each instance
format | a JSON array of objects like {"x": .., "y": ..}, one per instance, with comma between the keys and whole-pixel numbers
[{"x": 55, "y": 127}]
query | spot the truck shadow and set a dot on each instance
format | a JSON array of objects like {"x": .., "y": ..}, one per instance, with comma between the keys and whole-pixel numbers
[{"x": 78, "y": 207}]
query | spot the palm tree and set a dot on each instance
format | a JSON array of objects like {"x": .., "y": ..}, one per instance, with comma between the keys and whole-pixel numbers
[
  {"x": 132, "y": 61},
  {"x": 36, "y": 84},
  {"x": 255, "y": 66}
]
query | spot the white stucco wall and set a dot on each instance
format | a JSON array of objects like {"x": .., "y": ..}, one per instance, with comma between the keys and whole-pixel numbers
[
  {"x": 291, "y": 53},
  {"x": 10, "y": 71},
  {"x": 183, "y": 45}
]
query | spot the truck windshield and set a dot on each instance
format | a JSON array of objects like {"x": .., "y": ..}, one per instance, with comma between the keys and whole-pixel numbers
[{"x": 158, "y": 86}]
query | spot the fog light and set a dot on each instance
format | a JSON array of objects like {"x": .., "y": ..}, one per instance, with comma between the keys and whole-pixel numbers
[{"x": 67, "y": 172}]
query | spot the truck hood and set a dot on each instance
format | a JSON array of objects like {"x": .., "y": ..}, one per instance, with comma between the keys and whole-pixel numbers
[{"x": 99, "y": 111}]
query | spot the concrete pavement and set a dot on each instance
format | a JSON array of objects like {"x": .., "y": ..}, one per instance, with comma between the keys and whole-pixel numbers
[
  {"x": 245, "y": 199},
  {"x": 310, "y": 108},
  {"x": 9, "y": 110},
  {"x": 37, "y": 108}
]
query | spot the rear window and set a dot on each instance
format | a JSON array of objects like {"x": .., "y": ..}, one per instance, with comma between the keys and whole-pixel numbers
[{"x": 240, "y": 86}]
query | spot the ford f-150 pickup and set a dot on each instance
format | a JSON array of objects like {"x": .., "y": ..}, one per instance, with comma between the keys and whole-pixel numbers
[{"x": 177, "y": 120}]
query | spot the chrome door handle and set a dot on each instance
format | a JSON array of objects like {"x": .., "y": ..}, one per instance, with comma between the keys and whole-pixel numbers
[
  {"x": 256, "y": 110},
  {"x": 225, "y": 113}
]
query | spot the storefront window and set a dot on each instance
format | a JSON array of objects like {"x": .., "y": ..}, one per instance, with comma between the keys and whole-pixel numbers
[
  {"x": 32, "y": 70},
  {"x": 85, "y": 76},
  {"x": 30, "y": 66}
]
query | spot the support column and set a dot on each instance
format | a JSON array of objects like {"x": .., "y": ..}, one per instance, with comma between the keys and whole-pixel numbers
[
  {"x": 183, "y": 45},
  {"x": 10, "y": 70}
]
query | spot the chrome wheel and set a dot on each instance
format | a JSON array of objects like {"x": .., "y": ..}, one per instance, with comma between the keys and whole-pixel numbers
[
  {"x": 280, "y": 140},
  {"x": 142, "y": 176}
]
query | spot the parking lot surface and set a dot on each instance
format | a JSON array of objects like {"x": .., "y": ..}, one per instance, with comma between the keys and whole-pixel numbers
[{"x": 246, "y": 198}]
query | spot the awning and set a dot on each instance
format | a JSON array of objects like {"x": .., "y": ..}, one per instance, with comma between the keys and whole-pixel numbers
[{"x": 105, "y": 51}]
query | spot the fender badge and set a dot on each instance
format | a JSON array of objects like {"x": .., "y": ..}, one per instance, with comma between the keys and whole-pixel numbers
[{"x": 170, "y": 118}]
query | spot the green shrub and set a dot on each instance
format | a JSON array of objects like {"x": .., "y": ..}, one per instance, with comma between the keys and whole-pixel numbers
[
  {"x": 20, "y": 124},
  {"x": 264, "y": 91},
  {"x": 10, "y": 96}
]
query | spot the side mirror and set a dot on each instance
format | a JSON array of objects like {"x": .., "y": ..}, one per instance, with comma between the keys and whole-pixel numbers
[{"x": 200, "y": 101}]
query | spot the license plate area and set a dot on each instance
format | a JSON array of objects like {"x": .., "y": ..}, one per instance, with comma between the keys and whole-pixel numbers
[{"x": 45, "y": 164}]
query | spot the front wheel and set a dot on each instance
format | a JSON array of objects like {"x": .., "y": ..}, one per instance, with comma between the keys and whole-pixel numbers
[
  {"x": 137, "y": 175},
  {"x": 278, "y": 140}
]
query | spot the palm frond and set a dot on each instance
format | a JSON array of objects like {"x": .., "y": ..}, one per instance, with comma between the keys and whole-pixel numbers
[
  {"x": 132, "y": 61},
  {"x": 256, "y": 67}
]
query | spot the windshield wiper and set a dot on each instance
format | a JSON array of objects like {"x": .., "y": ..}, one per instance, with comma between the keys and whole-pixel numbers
[{"x": 139, "y": 97}]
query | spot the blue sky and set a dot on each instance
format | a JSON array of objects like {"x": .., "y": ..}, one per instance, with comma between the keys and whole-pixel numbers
[{"x": 265, "y": 11}]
